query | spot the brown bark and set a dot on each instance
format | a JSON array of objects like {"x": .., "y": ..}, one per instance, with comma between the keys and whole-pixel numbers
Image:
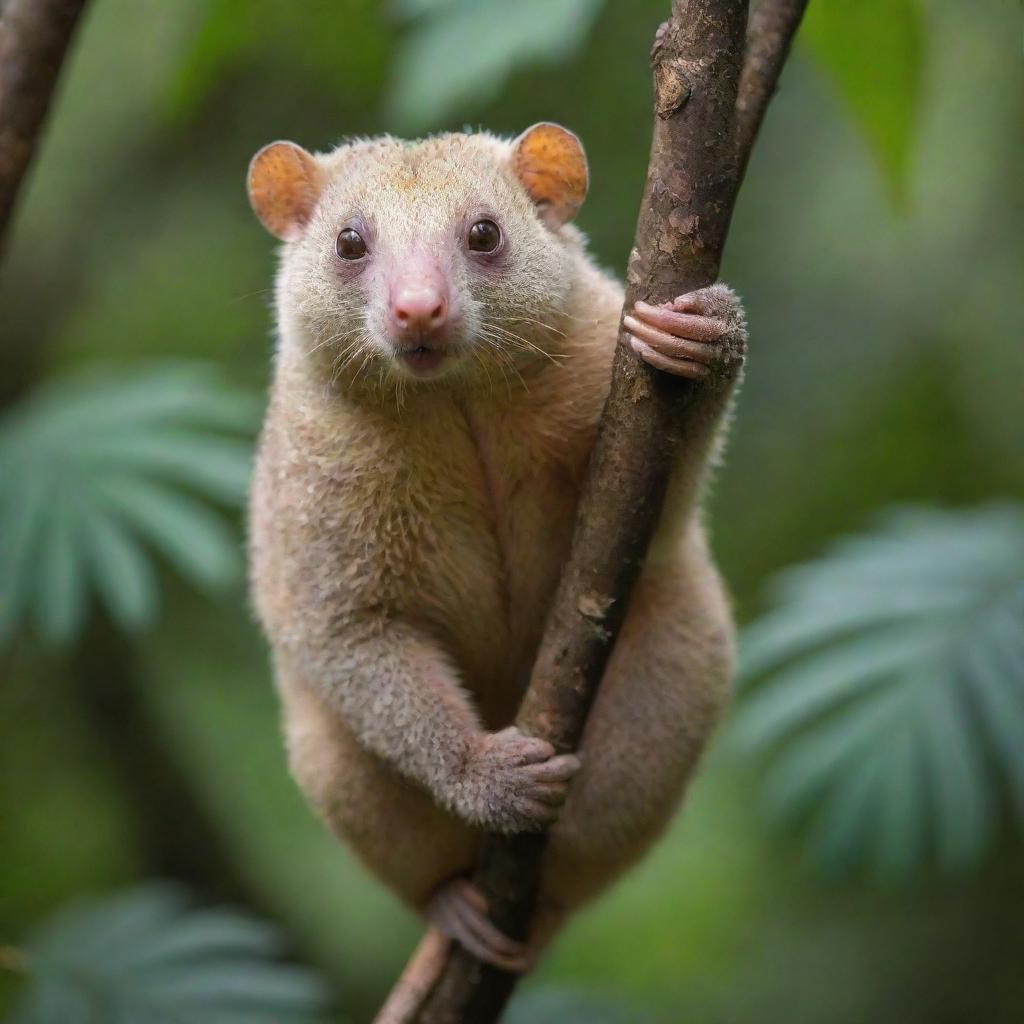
[
  {"x": 773, "y": 25},
  {"x": 34, "y": 37},
  {"x": 703, "y": 132}
]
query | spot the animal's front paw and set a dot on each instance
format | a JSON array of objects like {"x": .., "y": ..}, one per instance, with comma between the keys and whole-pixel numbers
[
  {"x": 514, "y": 783},
  {"x": 700, "y": 334}
]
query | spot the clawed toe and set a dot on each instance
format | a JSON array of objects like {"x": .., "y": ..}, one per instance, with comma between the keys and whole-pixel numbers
[
  {"x": 680, "y": 324},
  {"x": 688, "y": 337},
  {"x": 459, "y": 911},
  {"x": 670, "y": 364}
]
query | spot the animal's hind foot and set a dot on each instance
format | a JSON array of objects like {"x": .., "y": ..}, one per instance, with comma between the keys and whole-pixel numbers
[{"x": 459, "y": 911}]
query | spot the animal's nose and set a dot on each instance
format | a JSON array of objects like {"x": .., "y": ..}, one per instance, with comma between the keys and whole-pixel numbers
[{"x": 419, "y": 305}]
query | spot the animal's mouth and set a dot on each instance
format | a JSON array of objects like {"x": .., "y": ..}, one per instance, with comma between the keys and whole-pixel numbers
[{"x": 423, "y": 359}]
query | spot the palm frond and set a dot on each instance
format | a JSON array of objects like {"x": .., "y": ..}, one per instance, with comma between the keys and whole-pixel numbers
[
  {"x": 150, "y": 955},
  {"x": 890, "y": 690},
  {"x": 97, "y": 472}
]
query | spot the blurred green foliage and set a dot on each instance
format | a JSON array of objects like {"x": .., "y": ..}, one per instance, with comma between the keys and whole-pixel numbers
[
  {"x": 885, "y": 369},
  {"x": 90, "y": 467},
  {"x": 561, "y": 1006},
  {"x": 491, "y": 39},
  {"x": 896, "y": 688},
  {"x": 874, "y": 50},
  {"x": 148, "y": 956}
]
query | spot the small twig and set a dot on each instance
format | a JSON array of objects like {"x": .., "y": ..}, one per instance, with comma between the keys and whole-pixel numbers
[
  {"x": 34, "y": 37},
  {"x": 770, "y": 33},
  {"x": 703, "y": 132}
]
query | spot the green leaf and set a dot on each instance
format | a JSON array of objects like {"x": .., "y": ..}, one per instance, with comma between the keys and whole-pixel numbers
[
  {"x": 827, "y": 677},
  {"x": 998, "y": 675},
  {"x": 218, "y": 467},
  {"x": 122, "y": 573},
  {"x": 873, "y": 50},
  {"x": 100, "y": 403},
  {"x": 785, "y": 633},
  {"x": 91, "y": 467},
  {"x": 809, "y": 763},
  {"x": 961, "y": 794},
  {"x": 151, "y": 956},
  {"x": 899, "y": 838},
  {"x": 842, "y": 830},
  {"x": 60, "y": 576},
  {"x": 21, "y": 509},
  {"x": 890, "y": 690},
  {"x": 491, "y": 38},
  {"x": 195, "y": 539},
  {"x": 203, "y": 932}
]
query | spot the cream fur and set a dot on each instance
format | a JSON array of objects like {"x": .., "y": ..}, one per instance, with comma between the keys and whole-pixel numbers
[{"x": 406, "y": 538}]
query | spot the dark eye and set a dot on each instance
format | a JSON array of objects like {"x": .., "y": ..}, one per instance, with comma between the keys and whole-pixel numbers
[
  {"x": 350, "y": 245},
  {"x": 484, "y": 236}
]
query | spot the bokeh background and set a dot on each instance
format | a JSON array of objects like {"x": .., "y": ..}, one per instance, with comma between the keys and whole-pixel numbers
[{"x": 852, "y": 849}]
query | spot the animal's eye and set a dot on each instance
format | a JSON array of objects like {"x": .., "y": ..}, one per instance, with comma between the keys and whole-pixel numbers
[
  {"x": 350, "y": 245},
  {"x": 484, "y": 236}
]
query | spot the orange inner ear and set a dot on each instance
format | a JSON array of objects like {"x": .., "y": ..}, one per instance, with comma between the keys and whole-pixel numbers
[
  {"x": 550, "y": 162},
  {"x": 284, "y": 185}
]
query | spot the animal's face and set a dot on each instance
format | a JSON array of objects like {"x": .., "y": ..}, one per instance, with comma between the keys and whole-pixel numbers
[{"x": 414, "y": 262}]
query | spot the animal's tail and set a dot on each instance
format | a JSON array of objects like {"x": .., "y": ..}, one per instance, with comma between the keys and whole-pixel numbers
[{"x": 417, "y": 980}]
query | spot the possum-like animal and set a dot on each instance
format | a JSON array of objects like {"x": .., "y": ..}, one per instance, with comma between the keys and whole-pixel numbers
[{"x": 444, "y": 352}]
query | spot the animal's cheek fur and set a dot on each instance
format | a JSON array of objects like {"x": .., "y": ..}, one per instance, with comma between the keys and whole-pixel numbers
[
  {"x": 531, "y": 282},
  {"x": 320, "y": 297}
]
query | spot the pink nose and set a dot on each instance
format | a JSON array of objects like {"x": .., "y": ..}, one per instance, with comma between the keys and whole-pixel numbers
[{"x": 419, "y": 304}]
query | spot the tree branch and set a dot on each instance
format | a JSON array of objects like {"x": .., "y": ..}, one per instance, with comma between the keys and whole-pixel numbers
[
  {"x": 770, "y": 33},
  {"x": 34, "y": 37},
  {"x": 703, "y": 132}
]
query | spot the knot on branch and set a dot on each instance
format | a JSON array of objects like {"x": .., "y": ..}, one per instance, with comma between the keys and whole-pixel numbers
[
  {"x": 672, "y": 87},
  {"x": 594, "y": 607}
]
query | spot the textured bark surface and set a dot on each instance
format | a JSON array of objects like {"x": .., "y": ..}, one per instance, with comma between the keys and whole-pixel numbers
[
  {"x": 773, "y": 25},
  {"x": 703, "y": 132},
  {"x": 34, "y": 37}
]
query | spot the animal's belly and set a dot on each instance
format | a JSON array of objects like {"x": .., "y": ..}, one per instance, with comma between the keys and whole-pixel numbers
[
  {"x": 486, "y": 533},
  {"x": 498, "y": 609}
]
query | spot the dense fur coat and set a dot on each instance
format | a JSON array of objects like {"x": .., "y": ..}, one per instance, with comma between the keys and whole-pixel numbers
[{"x": 406, "y": 535}]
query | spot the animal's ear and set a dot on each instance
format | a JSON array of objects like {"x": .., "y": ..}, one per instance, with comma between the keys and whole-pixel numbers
[
  {"x": 551, "y": 165},
  {"x": 284, "y": 185}
]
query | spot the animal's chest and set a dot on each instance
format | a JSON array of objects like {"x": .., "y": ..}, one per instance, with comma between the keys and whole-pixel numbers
[{"x": 488, "y": 510}]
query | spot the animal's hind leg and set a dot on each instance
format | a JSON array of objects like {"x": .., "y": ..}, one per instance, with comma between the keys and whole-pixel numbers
[{"x": 665, "y": 687}]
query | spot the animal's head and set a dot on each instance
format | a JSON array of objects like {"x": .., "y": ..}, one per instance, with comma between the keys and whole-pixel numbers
[{"x": 420, "y": 261}]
